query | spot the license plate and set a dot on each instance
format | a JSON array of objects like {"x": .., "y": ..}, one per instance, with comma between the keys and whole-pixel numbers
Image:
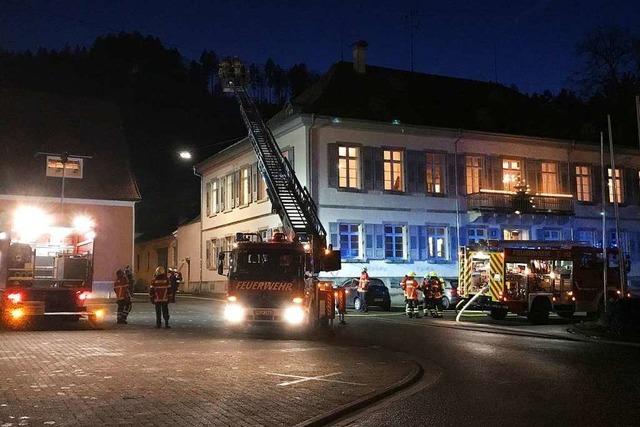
[
  {"x": 263, "y": 312},
  {"x": 377, "y": 299}
]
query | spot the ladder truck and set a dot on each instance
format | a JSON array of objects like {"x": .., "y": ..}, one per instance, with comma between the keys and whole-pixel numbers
[{"x": 276, "y": 281}]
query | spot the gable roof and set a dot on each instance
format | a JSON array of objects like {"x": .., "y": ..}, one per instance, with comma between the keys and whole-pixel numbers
[
  {"x": 32, "y": 122},
  {"x": 385, "y": 94}
]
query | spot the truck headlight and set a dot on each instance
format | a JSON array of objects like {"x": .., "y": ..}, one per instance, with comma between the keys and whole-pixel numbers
[
  {"x": 294, "y": 315},
  {"x": 233, "y": 313}
]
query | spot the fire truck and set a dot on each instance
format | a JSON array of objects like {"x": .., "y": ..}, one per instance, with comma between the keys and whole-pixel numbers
[
  {"x": 276, "y": 281},
  {"x": 532, "y": 278},
  {"x": 46, "y": 268}
]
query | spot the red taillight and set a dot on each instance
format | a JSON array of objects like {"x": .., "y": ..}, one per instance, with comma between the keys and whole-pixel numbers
[
  {"x": 15, "y": 297},
  {"x": 82, "y": 296}
]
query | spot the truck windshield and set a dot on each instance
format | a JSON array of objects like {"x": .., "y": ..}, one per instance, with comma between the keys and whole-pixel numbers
[{"x": 269, "y": 264}]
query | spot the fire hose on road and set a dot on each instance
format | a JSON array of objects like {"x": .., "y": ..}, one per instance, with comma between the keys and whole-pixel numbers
[{"x": 482, "y": 291}]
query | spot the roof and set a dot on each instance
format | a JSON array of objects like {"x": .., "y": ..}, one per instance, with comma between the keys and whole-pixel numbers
[
  {"x": 385, "y": 94},
  {"x": 32, "y": 122}
]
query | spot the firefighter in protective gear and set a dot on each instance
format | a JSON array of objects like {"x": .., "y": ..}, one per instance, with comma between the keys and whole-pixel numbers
[
  {"x": 123, "y": 296},
  {"x": 160, "y": 291},
  {"x": 363, "y": 287},
  {"x": 433, "y": 288},
  {"x": 410, "y": 287}
]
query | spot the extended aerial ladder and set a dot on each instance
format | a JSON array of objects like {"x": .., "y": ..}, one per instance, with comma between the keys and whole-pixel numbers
[{"x": 290, "y": 200}]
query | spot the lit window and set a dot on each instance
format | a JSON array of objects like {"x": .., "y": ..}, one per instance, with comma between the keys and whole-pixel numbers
[
  {"x": 215, "y": 205},
  {"x": 583, "y": 183},
  {"x": 393, "y": 170},
  {"x": 229, "y": 192},
  {"x": 618, "y": 186},
  {"x": 474, "y": 174},
  {"x": 349, "y": 240},
  {"x": 348, "y": 167},
  {"x": 437, "y": 242},
  {"x": 245, "y": 190},
  {"x": 71, "y": 169},
  {"x": 435, "y": 173},
  {"x": 394, "y": 241},
  {"x": 549, "y": 177},
  {"x": 476, "y": 234},
  {"x": 552, "y": 235},
  {"x": 511, "y": 173}
]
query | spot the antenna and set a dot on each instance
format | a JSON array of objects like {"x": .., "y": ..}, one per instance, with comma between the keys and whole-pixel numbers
[{"x": 412, "y": 21}]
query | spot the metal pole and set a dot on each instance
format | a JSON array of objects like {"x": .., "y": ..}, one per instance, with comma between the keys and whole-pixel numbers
[
  {"x": 638, "y": 116},
  {"x": 455, "y": 166},
  {"x": 604, "y": 223},
  {"x": 616, "y": 209}
]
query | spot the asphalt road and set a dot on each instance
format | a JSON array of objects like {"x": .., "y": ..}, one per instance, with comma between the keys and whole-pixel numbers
[{"x": 491, "y": 379}]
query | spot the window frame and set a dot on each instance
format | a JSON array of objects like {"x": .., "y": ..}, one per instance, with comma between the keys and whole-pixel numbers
[
  {"x": 347, "y": 158},
  {"x": 394, "y": 235},
  {"x": 350, "y": 232},
  {"x": 245, "y": 184},
  {"x": 580, "y": 183},
  {"x": 52, "y": 172},
  {"x": 430, "y": 168},
  {"x": 392, "y": 175},
  {"x": 474, "y": 169},
  {"x": 619, "y": 185},
  {"x": 445, "y": 246},
  {"x": 475, "y": 239},
  {"x": 549, "y": 177},
  {"x": 507, "y": 185}
]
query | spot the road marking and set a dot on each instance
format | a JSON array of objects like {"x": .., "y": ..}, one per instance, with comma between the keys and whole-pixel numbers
[{"x": 301, "y": 379}]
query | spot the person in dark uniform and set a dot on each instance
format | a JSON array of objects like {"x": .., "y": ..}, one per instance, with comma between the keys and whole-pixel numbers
[
  {"x": 123, "y": 296},
  {"x": 160, "y": 291}
]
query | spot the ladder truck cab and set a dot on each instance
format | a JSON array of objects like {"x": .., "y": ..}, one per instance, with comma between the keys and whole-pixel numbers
[
  {"x": 535, "y": 278},
  {"x": 277, "y": 281},
  {"x": 46, "y": 268}
]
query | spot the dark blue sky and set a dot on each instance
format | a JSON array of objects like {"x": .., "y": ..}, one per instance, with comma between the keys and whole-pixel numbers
[{"x": 534, "y": 40}]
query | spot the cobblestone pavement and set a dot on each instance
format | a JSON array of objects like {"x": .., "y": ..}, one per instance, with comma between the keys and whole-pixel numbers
[{"x": 193, "y": 374}]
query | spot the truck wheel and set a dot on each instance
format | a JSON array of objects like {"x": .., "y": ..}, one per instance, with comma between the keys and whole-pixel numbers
[
  {"x": 539, "y": 313},
  {"x": 499, "y": 313}
]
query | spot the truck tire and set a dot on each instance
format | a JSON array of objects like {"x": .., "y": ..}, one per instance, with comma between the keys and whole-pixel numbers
[
  {"x": 499, "y": 313},
  {"x": 539, "y": 313}
]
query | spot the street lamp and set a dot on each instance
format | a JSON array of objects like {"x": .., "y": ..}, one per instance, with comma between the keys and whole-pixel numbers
[{"x": 185, "y": 155}]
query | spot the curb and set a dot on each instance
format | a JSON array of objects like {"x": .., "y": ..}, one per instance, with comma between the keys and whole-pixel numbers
[{"x": 366, "y": 400}]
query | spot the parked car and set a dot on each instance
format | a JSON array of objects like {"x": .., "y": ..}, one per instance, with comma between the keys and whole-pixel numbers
[
  {"x": 377, "y": 295},
  {"x": 450, "y": 297}
]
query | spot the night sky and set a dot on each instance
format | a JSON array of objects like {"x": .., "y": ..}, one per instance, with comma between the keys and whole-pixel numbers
[{"x": 534, "y": 41}]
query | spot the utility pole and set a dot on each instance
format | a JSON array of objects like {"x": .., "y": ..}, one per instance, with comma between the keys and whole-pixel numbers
[
  {"x": 603, "y": 193},
  {"x": 616, "y": 210}
]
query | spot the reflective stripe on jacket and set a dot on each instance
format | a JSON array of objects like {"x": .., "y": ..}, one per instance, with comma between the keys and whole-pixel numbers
[
  {"x": 159, "y": 289},
  {"x": 121, "y": 288},
  {"x": 411, "y": 289}
]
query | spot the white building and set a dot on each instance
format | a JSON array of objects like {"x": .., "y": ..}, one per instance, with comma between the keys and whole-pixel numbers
[{"x": 396, "y": 197}]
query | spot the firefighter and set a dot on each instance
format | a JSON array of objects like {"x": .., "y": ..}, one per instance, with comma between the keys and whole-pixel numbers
[
  {"x": 173, "y": 283},
  {"x": 159, "y": 291},
  {"x": 363, "y": 287},
  {"x": 433, "y": 290},
  {"x": 123, "y": 296},
  {"x": 410, "y": 287},
  {"x": 129, "y": 274}
]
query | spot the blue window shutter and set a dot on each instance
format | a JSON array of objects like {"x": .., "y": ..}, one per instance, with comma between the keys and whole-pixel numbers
[
  {"x": 463, "y": 236},
  {"x": 414, "y": 250},
  {"x": 453, "y": 243},
  {"x": 333, "y": 235},
  {"x": 379, "y": 246},
  {"x": 494, "y": 233},
  {"x": 369, "y": 240},
  {"x": 566, "y": 234},
  {"x": 422, "y": 241}
]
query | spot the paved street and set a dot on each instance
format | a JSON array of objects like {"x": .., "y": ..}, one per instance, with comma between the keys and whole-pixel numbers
[
  {"x": 193, "y": 374},
  {"x": 198, "y": 374},
  {"x": 491, "y": 379}
]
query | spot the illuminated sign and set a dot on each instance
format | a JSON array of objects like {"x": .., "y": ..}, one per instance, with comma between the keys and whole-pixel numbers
[{"x": 264, "y": 286}]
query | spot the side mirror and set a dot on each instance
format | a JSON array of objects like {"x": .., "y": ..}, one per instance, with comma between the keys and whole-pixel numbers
[
  {"x": 221, "y": 264},
  {"x": 331, "y": 260}
]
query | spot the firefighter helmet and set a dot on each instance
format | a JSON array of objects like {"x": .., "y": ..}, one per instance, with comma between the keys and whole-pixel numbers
[
  {"x": 119, "y": 273},
  {"x": 159, "y": 271},
  {"x": 411, "y": 274}
]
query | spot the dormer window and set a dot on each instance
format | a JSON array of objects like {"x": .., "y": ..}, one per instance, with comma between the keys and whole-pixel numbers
[{"x": 72, "y": 168}]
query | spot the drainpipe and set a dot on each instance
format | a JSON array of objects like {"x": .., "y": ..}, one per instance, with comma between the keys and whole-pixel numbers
[
  {"x": 309, "y": 155},
  {"x": 201, "y": 221},
  {"x": 455, "y": 169}
]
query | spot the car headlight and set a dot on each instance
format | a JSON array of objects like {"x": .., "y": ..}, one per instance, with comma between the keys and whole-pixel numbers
[
  {"x": 234, "y": 313},
  {"x": 294, "y": 315}
]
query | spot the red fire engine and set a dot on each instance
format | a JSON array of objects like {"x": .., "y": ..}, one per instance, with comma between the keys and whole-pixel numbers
[{"x": 46, "y": 268}]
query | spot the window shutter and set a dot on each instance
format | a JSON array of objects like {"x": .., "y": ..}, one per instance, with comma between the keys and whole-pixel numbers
[
  {"x": 532, "y": 168},
  {"x": 453, "y": 243},
  {"x": 333, "y": 235},
  {"x": 563, "y": 175},
  {"x": 462, "y": 175},
  {"x": 415, "y": 182},
  {"x": 379, "y": 243},
  {"x": 422, "y": 241},
  {"x": 597, "y": 184},
  {"x": 495, "y": 172},
  {"x": 208, "y": 198},
  {"x": 414, "y": 250},
  {"x": 332, "y": 162},
  {"x": 208, "y": 255},
  {"x": 463, "y": 236},
  {"x": 236, "y": 188},
  {"x": 223, "y": 192},
  {"x": 572, "y": 188},
  {"x": 378, "y": 162},
  {"x": 450, "y": 174},
  {"x": 254, "y": 182},
  {"x": 630, "y": 186},
  {"x": 368, "y": 167},
  {"x": 369, "y": 241}
]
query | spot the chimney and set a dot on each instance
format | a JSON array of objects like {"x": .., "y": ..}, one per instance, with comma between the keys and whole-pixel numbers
[{"x": 359, "y": 56}]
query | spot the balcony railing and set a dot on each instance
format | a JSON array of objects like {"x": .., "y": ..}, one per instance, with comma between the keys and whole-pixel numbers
[{"x": 503, "y": 201}]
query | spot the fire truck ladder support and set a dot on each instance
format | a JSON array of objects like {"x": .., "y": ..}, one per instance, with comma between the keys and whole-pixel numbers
[{"x": 291, "y": 201}]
